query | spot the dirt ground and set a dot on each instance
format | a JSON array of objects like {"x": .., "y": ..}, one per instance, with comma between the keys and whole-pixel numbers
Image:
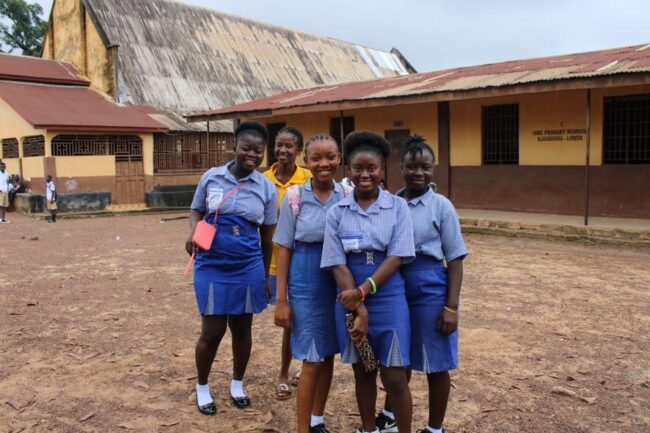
[{"x": 98, "y": 328}]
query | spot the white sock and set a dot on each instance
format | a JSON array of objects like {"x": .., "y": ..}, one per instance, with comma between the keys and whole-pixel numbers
[
  {"x": 315, "y": 420},
  {"x": 388, "y": 414},
  {"x": 203, "y": 395},
  {"x": 434, "y": 430},
  {"x": 237, "y": 388}
]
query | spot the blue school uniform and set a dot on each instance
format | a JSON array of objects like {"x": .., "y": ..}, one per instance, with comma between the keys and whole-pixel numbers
[
  {"x": 362, "y": 240},
  {"x": 312, "y": 290},
  {"x": 230, "y": 277},
  {"x": 437, "y": 237}
]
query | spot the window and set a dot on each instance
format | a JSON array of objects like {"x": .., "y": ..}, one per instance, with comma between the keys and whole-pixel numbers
[
  {"x": 501, "y": 134},
  {"x": 626, "y": 130},
  {"x": 273, "y": 129},
  {"x": 90, "y": 145},
  {"x": 335, "y": 127},
  {"x": 10, "y": 148},
  {"x": 188, "y": 152},
  {"x": 34, "y": 146}
]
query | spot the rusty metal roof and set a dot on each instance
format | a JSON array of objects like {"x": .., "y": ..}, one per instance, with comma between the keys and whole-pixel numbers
[
  {"x": 73, "y": 108},
  {"x": 618, "y": 61},
  {"x": 181, "y": 58},
  {"x": 22, "y": 68}
]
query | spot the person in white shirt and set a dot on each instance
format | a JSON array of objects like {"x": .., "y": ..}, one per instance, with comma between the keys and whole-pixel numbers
[
  {"x": 4, "y": 192},
  {"x": 50, "y": 196}
]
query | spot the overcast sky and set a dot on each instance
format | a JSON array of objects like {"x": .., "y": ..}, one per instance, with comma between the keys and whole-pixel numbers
[{"x": 438, "y": 34}]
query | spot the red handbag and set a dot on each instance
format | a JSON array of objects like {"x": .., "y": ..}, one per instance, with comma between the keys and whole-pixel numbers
[{"x": 204, "y": 233}]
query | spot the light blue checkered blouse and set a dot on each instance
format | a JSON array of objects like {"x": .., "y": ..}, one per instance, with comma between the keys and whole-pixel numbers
[
  {"x": 385, "y": 226},
  {"x": 309, "y": 224},
  {"x": 255, "y": 201},
  {"x": 436, "y": 229}
]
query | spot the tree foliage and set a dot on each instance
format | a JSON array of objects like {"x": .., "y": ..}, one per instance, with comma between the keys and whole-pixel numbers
[{"x": 21, "y": 27}]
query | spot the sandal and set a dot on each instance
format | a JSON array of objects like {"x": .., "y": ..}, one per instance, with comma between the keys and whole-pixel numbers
[
  {"x": 282, "y": 391},
  {"x": 295, "y": 379},
  {"x": 241, "y": 402}
]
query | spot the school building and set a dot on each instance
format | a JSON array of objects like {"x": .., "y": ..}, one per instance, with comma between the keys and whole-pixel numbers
[
  {"x": 53, "y": 123},
  {"x": 566, "y": 134}
]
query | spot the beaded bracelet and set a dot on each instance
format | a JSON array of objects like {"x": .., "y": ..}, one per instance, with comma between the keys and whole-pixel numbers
[{"x": 373, "y": 286}]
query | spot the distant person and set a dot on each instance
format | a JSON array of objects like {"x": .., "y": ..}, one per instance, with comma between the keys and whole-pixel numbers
[
  {"x": 51, "y": 198},
  {"x": 17, "y": 187},
  {"x": 4, "y": 193},
  {"x": 382, "y": 184},
  {"x": 284, "y": 174}
]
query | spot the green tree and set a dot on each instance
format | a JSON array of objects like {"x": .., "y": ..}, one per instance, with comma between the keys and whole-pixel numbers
[{"x": 21, "y": 27}]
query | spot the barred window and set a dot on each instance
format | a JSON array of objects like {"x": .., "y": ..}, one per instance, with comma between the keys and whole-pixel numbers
[
  {"x": 90, "y": 145},
  {"x": 10, "y": 148},
  {"x": 335, "y": 127},
  {"x": 34, "y": 146},
  {"x": 626, "y": 130},
  {"x": 189, "y": 152},
  {"x": 273, "y": 129},
  {"x": 501, "y": 134}
]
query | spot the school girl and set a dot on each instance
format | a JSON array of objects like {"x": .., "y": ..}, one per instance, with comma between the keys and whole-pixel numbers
[
  {"x": 284, "y": 174},
  {"x": 432, "y": 290},
  {"x": 367, "y": 237},
  {"x": 308, "y": 311},
  {"x": 230, "y": 279}
]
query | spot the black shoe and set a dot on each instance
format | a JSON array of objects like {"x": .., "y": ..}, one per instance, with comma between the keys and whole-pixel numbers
[
  {"x": 320, "y": 428},
  {"x": 386, "y": 424},
  {"x": 241, "y": 402},
  {"x": 207, "y": 409}
]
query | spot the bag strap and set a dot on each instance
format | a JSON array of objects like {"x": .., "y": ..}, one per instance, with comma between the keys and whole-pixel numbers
[
  {"x": 347, "y": 189},
  {"x": 228, "y": 194},
  {"x": 293, "y": 194}
]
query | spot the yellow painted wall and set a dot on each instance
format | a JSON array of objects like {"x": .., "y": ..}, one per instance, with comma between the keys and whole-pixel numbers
[
  {"x": 147, "y": 153},
  {"x": 14, "y": 126},
  {"x": 72, "y": 37},
  {"x": 33, "y": 167},
  {"x": 85, "y": 166}
]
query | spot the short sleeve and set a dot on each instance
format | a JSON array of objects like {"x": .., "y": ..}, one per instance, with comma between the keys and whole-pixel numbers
[
  {"x": 271, "y": 206},
  {"x": 333, "y": 252},
  {"x": 453, "y": 245},
  {"x": 285, "y": 231},
  {"x": 401, "y": 242},
  {"x": 198, "y": 202}
]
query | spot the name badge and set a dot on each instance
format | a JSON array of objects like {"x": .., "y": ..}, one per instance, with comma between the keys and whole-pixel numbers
[
  {"x": 215, "y": 195},
  {"x": 351, "y": 243}
]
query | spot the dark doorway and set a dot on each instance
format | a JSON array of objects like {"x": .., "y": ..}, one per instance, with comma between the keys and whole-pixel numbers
[
  {"x": 273, "y": 129},
  {"x": 394, "y": 180}
]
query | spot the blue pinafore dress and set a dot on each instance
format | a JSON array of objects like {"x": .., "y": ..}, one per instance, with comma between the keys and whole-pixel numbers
[{"x": 230, "y": 278}]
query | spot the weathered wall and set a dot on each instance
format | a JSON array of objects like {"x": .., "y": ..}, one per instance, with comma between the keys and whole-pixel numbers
[{"x": 85, "y": 166}]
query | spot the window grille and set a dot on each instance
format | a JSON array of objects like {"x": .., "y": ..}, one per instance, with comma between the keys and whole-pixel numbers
[
  {"x": 189, "y": 153},
  {"x": 10, "y": 148},
  {"x": 91, "y": 145},
  {"x": 34, "y": 146},
  {"x": 273, "y": 129},
  {"x": 501, "y": 134},
  {"x": 335, "y": 127},
  {"x": 626, "y": 130}
]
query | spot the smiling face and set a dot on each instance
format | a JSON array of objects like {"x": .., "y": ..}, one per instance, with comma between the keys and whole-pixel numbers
[
  {"x": 286, "y": 148},
  {"x": 417, "y": 169},
  {"x": 366, "y": 170},
  {"x": 249, "y": 152},
  {"x": 322, "y": 158}
]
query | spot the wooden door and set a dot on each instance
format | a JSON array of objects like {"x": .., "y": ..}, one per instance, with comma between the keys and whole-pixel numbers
[
  {"x": 129, "y": 180},
  {"x": 393, "y": 173}
]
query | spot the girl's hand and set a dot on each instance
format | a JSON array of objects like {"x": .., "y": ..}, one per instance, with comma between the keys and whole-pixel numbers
[
  {"x": 447, "y": 322},
  {"x": 359, "y": 331},
  {"x": 350, "y": 299},
  {"x": 189, "y": 245},
  {"x": 283, "y": 315}
]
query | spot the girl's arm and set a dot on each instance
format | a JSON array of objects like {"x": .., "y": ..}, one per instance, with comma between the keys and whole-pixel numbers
[
  {"x": 282, "y": 308},
  {"x": 350, "y": 296},
  {"x": 195, "y": 217},
  {"x": 266, "y": 235},
  {"x": 448, "y": 320}
]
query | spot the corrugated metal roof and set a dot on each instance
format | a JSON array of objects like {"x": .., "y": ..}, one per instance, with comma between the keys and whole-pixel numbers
[
  {"x": 181, "y": 58},
  {"x": 22, "y": 68},
  {"x": 627, "y": 60},
  {"x": 73, "y": 108}
]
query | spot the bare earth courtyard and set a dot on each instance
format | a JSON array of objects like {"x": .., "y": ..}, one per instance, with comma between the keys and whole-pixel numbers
[{"x": 98, "y": 328}]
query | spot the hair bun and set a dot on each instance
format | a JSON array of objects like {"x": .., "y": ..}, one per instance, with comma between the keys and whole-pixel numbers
[{"x": 358, "y": 140}]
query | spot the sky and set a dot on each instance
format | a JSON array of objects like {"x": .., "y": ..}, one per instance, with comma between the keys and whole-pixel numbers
[{"x": 439, "y": 34}]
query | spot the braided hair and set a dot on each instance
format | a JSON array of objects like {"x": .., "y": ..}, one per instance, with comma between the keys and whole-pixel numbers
[
  {"x": 414, "y": 145},
  {"x": 320, "y": 137},
  {"x": 293, "y": 131}
]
